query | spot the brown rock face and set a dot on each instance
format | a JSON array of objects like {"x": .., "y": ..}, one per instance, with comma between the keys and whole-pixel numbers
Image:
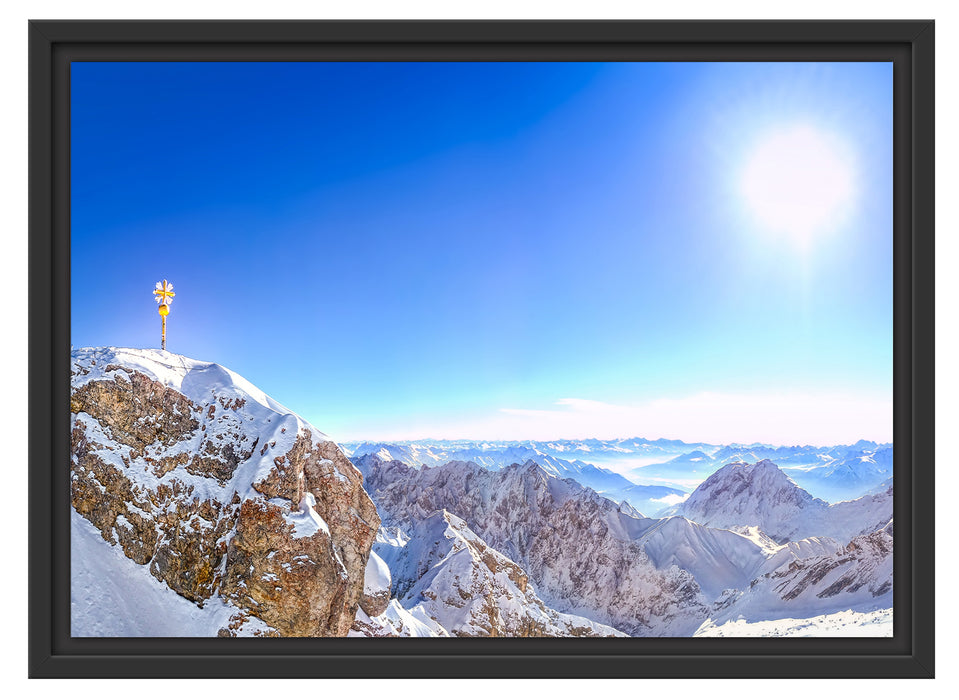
[
  {"x": 266, "y": 563},
  {"x": 160, "y": 415},
  {"x": 181, "y": 537},
  {"x": 376, "y": 604},
  {"x": 321, "y": 469},
  {"x": 377, "y": 587},
  {"x": 178, "y": 484}
]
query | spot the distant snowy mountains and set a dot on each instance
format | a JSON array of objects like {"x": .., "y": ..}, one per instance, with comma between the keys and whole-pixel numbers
[
  {"x": 833, "y": 474},
  {"x": 202, "y": 507},
  {"x": 491, "y": 455},
  {"x": 670, "y": 468}
]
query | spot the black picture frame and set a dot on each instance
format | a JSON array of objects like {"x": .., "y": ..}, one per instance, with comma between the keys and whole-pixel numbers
[{"x": 54, "y": 45}]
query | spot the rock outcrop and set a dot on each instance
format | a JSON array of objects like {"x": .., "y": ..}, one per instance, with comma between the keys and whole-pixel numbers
[
  {"x": 376, "y": 587},
  {"x": 219, "y": 490}
]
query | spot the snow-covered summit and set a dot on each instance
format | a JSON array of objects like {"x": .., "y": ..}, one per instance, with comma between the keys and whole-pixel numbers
[
  {"x": 198, "y": 380},
  {"x": 762, "y": 495}
]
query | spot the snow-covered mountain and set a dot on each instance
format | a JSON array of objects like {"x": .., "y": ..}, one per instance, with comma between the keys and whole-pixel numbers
[
  {"x": 853, "y": 473},
  {"x": 494, "y": 457},
  {"x": 836, "y": 473},
  {"x": 585, "y": 554},
  {"x": 449, "y": 574},
  {"x": 195, "y": 478},
  {"x": 583, "y": 450},
  {"x": 203, "y": 507},
  {"x": 857, "y": 577},
  {"x": 761, "y": 495},
  {"x": 588, "y": 556},
  {"x": 582, "y": 552},
  {"x": 833, "y": 473},
  {"x": 646, "y": 499}
]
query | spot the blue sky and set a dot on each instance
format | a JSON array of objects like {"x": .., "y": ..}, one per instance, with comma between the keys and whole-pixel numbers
[{"x": 498, "y": 250}]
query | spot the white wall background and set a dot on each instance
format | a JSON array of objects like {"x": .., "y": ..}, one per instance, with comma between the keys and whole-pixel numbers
[{"x": 13, "y": 328}]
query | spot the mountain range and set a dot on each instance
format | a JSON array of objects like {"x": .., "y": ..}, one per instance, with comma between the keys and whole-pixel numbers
[
  {"x": 628, "y": 469},
  {"x": 203, "y": 507}
]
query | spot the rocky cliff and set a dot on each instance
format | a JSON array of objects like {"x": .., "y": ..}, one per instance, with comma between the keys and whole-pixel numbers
[
  {"x": 222, "y": 493},
  {"x": 447, "y": 572},
  {"x": 584, "y": 553}
]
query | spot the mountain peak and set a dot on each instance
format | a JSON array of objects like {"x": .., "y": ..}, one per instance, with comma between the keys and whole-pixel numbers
[
  {"x": 216, "y": 490},
  {"x": 743, "y": 494}
]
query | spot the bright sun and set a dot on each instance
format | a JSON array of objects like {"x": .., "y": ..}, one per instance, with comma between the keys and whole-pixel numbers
[{"x": 798, "y": 181}]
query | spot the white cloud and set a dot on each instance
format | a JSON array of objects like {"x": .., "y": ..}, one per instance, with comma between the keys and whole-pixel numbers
[
  {"x": 709, "y": 417},
  {"x": 670, "y": 499}
]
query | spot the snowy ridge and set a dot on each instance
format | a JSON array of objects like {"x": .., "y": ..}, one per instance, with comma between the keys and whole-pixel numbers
[
  {"x": 499, "y": 456},
  {"x": 396, "y": 621},
  {"x": 857, "y": 577},
  {"x": 761, "y": 495},
  {"x": 634, "y": 469},
  {"x": 238, "y": 408},
  {"x": 470, "y": 589},
  {"x": 835, "y": 473},
  {"x": 540, "y": 522},
  {"x": 195, "y": 379}
]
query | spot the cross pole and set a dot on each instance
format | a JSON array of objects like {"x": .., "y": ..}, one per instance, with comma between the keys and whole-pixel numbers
[{"x": 163, "y": 293}]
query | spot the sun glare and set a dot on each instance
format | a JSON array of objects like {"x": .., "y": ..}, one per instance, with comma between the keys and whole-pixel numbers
[{"x": 798, "y": 181}]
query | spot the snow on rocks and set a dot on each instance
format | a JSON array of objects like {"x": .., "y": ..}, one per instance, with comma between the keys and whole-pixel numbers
[
  {"x": 581, "y": 550},
  {"x": 218, "y": 491},
  {"x": 588, "y": 556},
  {"x": 376, "y": 586},
  {"x": 825, "y": 579},
  {"x": 470, "y": 589},
  {"x": 396, "y": 621}
]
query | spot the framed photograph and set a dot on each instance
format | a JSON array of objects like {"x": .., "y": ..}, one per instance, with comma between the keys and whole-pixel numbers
[{"x": 575, "y": 349}]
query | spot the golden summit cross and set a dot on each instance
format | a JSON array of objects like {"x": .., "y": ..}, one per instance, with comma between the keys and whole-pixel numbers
[{"x": 163, "y": 293}]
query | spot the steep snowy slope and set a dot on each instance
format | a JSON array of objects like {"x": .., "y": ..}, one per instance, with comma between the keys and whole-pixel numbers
[
  {"x": 113, "y": 596},
  {"x": 839, "y": 624},
  {"x": 470, "y": 589},
  {"x": 719, "y": 559},
  {"x": 857, "y": 577},
  {"x": 396, "y": 621},
  {"x": 217, "y": 491}
]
